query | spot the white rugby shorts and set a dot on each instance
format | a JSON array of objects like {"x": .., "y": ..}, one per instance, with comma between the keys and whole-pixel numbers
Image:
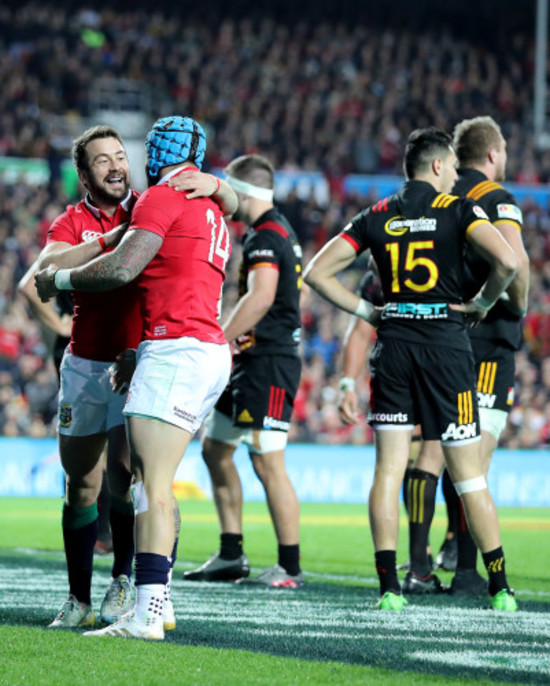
[
  {"x": 87, "y": 403},
  {"x": 178, "y": 381}
]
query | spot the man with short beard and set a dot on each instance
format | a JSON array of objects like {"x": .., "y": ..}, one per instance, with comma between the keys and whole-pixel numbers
[{"x": 90, "y": 412}]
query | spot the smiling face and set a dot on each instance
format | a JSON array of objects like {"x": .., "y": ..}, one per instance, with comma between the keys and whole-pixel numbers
[{"x": 107, "y": 176}]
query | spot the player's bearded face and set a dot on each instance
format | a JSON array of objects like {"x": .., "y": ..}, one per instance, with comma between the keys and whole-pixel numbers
[{"x": 108, "y": 175}]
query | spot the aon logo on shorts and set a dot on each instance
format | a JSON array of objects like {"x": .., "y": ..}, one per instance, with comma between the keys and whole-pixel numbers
[{"x": 459, "y": 432}]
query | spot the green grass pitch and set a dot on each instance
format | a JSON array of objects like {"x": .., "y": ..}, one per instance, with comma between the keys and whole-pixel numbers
[{"x": 326, "y": 633}]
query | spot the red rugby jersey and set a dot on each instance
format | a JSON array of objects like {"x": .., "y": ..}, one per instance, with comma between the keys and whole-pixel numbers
[
  {"x": 104, "y": 324},
  {"x": 180, "y": 289}
]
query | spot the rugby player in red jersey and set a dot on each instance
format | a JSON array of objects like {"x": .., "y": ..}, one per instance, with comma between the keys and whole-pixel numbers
[
  {"x": 90, "y": 413},
  {"x": 178, "y": 249}
]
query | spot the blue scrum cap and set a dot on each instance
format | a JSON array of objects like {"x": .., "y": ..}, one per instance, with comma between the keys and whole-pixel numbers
[{"x": 173, "y": 140}]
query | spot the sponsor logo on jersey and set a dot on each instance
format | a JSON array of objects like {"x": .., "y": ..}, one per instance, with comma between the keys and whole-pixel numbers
[
  {"x": 459, "y": 432},
  {"x": 297, "y": 250},
  {"x": 505, "y": 211},
  {"x": 510, "y": 397},
  {"x": 88, "y": 236},
  {"x": 245, "y": 416},
  {"x": 65, "y": 415},
  {"x": 480, "y": 212},
  {"x": 415, "y": 311},
  {"x": 159, "y": 330},
  {"x": 486, "y": 400},
  {"x": 270, "y": 423},
  {"x": 395, "y": 418},
  {"x": 397, "y": 226},
  {"x": 297, "y": 334},
  {"x": 262, "y": 253}
]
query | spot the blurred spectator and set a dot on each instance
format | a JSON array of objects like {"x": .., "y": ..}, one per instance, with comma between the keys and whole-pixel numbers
[{"x": 332, "y": 96}]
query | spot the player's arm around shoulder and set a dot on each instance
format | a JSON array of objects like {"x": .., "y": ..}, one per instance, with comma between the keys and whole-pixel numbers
[
  {"x": 110, "y": 270},
  {"x": 197, "y": 184}
]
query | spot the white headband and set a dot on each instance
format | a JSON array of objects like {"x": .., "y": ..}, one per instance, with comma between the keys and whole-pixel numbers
[{"x": 265, "y": 194}]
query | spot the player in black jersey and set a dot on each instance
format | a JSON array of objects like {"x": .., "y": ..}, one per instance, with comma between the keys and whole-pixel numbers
[
  {"x": 422, "y": 368},
  {"x": 255, "y": 409},
  {"x": 481, "y": 151}
]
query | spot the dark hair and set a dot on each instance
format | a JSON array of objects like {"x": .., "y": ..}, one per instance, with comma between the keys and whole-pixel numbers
[
  {"x": 252, "y": 168},
  {"x": 80, "y": 157},
  {"x": 423, "y": 146},
  {"x": 472, "y": 139}
]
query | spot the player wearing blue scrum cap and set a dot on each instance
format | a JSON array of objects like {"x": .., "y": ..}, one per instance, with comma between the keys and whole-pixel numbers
[
  {"x": 176, "y": 248},
  {"x": 174, "y": 140}
]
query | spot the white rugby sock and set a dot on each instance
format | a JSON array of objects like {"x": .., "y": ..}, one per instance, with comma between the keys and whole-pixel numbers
[{"x": 150, "y": 598}]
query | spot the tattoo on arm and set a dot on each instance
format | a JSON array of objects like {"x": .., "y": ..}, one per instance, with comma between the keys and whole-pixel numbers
[{"x": 119, "y": 267}]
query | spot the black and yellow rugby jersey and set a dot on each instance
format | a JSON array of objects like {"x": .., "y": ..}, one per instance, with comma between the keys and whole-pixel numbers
[
  {"x": 271, "y": 242},
  {"x": 500, "y": 325},
  {"x": 417, "y": 239}
]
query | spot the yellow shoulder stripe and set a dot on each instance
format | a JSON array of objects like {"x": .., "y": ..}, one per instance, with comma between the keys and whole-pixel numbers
[
  {"x": 507, "y": 221},
  {"x": 443, "y": 200},
  {"x": 482, "y": 189}
]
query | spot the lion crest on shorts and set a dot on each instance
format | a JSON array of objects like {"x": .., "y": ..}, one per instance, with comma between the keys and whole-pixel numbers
[{"x": 65, "y": 415}]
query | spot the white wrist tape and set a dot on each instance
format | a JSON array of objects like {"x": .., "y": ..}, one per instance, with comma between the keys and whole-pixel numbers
[
  {"x": 364, "y": 309},
  {"x": 483, "y": 303},
  {"x": 62, "y": 280},
  {"x": 250, "y": 189},
  {"x": 347, "y": 384},
  {"x": 478, "y": 483}
]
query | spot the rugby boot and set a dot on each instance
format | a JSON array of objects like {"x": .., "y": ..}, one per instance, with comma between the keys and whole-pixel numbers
[
  {"x": 447, "y": 557},
  {"x": 118, "y": 600},
  {"x": 218, "y": 569},
  {"x": 73, "y": 614},
  {"x": 468, "y": 582},
  {"x": 504, "y": 601},
  {"x": 276, "y": 577},
  {"x": 392, "y": 601},
  {"x": 416, "y": 585},
  {"x": 129, "y": 627}
]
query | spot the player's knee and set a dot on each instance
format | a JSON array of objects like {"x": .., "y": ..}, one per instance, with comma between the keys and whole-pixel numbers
[
  {"x": 477, "y": 483},
  {"x": 80, "y": 493}
]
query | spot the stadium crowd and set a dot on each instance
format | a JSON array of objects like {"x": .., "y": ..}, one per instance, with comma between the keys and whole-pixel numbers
[{"x": 333, "y": 98}]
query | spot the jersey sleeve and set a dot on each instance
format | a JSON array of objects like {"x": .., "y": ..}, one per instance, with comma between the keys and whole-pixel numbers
[
  {"x": 264, "y": 249},
  {"x": 504, "y": 208},
  {"x": 355, "y": 233},
  {"x": 63, "y": 230},
  {"x": 470, "y": 214},
  {"x": 152, "y": 211}
]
